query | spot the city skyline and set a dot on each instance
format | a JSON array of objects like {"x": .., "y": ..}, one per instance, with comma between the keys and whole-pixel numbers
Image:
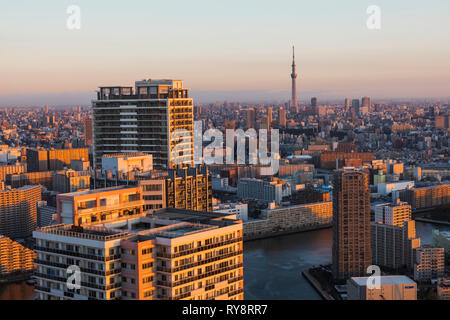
[{"x": 337, "y": 54}]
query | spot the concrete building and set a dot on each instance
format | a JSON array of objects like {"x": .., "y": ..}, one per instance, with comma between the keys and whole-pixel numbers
[
  {"x": 268, "y": 191},
  {"x": 170, "y": 255},
  {"x": 429, "y": 263},
  {"x": 285, "y": 220},
  {"x": 99, "y": 205},
  {"x": 127, "y": 162},
  {"x": 387, "y": 188},
  {"x": 391, "y": 288},
  {"x": 144, "y": 119},
  {"x": 18, "y": 211},
  {"x": 18, "y": 180},
  {"x": 66, "y": 181},
  {"x": 394, "y": 214},
  {"x": 240, "y": 210},
  {"x": 427, "y": 197},
  {"x": 14, "y": 257},
  {"x": 46, "y": 215},
  {"x": 392, "y": 246},
  {"x": 351, "y": 254},
  {"x": 332, "y": 159}
]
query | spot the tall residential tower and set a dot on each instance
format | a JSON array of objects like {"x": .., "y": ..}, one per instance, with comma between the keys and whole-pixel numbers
[{"x": 146, "y": 119}]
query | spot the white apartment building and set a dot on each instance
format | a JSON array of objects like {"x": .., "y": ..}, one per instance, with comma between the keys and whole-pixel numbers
[
  {"x": 127, "y": 162},
  {"x": 238, "y": 209}
]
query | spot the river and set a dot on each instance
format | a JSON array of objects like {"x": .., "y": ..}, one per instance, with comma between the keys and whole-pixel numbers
[{"x": 272, "y": 267}]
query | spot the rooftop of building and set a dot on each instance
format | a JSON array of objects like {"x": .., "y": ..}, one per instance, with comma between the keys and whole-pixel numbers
[
  {"x": 127, "y": 155},
  {"x": 89, "y": 232},
  {"x": 362, "y": 281},
  {"x": 95, "y": 191}
]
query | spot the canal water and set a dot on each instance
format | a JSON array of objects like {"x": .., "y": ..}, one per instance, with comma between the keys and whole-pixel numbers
[{"x": 272, "y": 267}]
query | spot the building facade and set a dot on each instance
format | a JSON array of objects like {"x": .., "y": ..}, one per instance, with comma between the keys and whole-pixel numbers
[
  {"x": 148, "y": 118},
  {"x": 351, "y": 252},
  {"x": 18, "y": 211}
]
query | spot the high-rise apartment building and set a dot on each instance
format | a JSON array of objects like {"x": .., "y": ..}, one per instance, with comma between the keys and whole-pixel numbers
[
  {"x": 155, "y": 117},
  {"x": 251, "y": 118},
  {"x": 88, "y": 132},
  {"x": 351, "y": 223},
  {"x": 18, "y": 211},
  {"x": 169, "y": 255},
  {"x": 15, "y": 257},
  {"x": 189, "y": 188},
  {"x": 282, "y": 117},
  {"x": 393, "y": 246}
]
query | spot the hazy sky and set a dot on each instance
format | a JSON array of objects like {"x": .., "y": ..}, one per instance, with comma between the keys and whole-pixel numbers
[{"x": 233, "y": 45}]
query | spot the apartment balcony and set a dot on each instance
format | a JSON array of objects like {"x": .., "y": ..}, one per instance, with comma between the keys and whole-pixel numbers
[
  {"x": 198, "y": 249},
  {"x": 198, "y": 263},
  {"x": 77, "y": 254},
  {"x": 120, "y": 206},
  {"x": 86, "y": 270},
  {"x": 170, "y": 284}
]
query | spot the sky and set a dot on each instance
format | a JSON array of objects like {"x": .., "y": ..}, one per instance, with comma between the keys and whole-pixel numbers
[{"x": 227, "y": 50}]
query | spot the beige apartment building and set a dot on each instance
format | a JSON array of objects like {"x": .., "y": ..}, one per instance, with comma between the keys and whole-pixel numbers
[
  {"x": 14, "y": 257},
  {"x": 145, "y": 118},
  {"x": 99, "y": 205},
  {"x": 18, "y": 211},
  {"x": 169, "y": 255}
]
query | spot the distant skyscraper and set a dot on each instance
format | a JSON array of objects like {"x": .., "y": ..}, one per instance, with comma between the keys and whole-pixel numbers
[
  {"x": 347, "y": 104},
  {"x": 88, "y": 132},
  {"x": 294, "y": 84},
  {"x": 365, "y": 102},
  {"x": 269, "y": 116},
  {"x": 314, "y": 102},
  {"x": 147, "y": 119},
  {"x": 352, "y": 252},
  {"x": 282, "y": 117},
  {"x": 355, "y": 107},
  {"x": 251, "y": 118}
]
